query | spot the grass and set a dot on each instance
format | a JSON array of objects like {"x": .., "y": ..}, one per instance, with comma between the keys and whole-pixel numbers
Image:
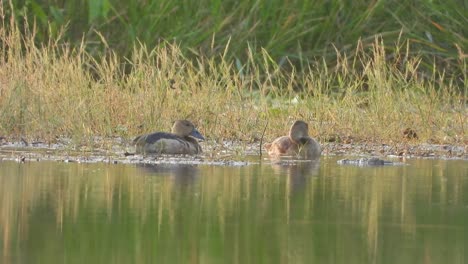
[
  {"x": 56, "y": 89},
  {"x": 299, "y": 31}
]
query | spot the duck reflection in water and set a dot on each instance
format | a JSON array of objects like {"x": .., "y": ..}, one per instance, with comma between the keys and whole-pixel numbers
[
  {"x": 182, "y": 174},
  {"x": 298, "y": 172}
]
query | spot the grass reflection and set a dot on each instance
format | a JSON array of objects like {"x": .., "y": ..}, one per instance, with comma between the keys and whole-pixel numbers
[{"x": 289, "y": 213}]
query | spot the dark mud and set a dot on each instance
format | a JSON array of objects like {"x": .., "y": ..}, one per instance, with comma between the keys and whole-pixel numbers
[{"x": 228, "y": 153}]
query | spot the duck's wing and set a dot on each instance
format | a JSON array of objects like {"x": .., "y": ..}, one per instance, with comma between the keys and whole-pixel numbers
[
  {"x": 280, "y": 146},
  {"x": 154, "y": 137}
]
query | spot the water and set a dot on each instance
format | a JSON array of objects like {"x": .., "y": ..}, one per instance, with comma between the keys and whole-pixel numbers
[{"x": 54, "y": 212}]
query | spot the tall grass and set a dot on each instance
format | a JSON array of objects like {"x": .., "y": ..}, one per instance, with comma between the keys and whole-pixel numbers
[
  {"x": 59, "y": 90},
  {"x": 299, "y": 31}
]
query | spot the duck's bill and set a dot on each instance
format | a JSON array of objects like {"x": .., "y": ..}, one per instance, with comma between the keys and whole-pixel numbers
[{"x": 197, "y": 134}]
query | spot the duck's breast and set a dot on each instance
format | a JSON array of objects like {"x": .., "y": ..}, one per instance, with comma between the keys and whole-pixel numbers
[
  {"x": 284, "y": 146},
  {"x": 310, "y": 150}
]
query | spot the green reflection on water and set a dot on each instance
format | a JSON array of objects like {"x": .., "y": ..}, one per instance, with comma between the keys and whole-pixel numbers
[{"x": 303, "y": 213}]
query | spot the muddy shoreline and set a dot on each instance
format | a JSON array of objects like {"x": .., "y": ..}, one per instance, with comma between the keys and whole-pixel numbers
[{"x": 117, "y": 150}]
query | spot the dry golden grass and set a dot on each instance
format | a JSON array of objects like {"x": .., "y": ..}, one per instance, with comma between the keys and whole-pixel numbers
[{"x": 53, "y": 90}]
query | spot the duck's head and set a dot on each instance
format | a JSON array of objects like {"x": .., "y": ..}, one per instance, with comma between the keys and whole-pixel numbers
[
  {"x": 184, "y": 128},
  {"x": 299, "y": 132}
]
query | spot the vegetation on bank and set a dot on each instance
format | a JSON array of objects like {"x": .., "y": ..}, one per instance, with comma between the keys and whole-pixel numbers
[
  {"x": 368, "y": 94},
  {"x": 55, "y": 90},
  {"x": 299, "y": 31}
]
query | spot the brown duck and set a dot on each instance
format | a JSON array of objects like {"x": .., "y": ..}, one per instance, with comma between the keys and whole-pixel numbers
[{"x": 298, "y": 144}]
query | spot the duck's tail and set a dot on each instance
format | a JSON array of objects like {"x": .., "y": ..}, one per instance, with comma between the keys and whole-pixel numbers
[{"x": 135, "y": 140}]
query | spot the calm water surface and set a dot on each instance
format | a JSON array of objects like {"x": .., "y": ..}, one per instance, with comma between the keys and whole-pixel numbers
[{"x": 305, "y": 213}]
